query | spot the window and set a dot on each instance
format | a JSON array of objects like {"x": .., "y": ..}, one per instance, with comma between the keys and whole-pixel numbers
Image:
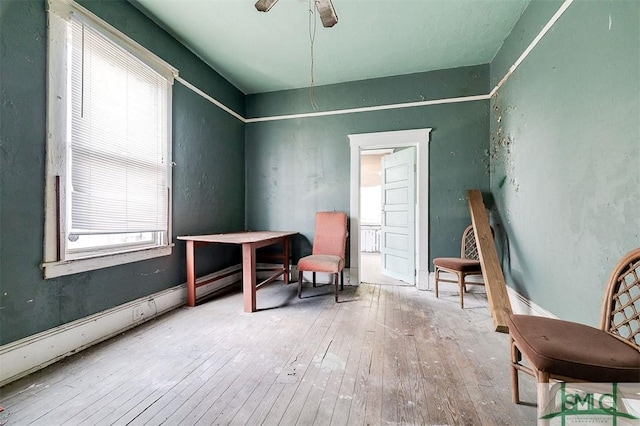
[{"x": 108, "y": 186}]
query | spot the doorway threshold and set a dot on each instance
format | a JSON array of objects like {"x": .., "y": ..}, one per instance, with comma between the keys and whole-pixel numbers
[{"x": 371, "y": 273}]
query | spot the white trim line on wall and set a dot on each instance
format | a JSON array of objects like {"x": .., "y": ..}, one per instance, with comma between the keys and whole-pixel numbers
[
  {"x": 211, "y": 99},
  {"x": 370, "y": 109},
  {"x": 511, "y": 70},
  {"x": 32, "y": 353},
  {"x": 532, "y": 45}
]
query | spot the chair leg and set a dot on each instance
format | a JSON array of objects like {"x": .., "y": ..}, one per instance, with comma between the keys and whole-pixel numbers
[
  {"x": 335, "y": 286},
  {"x": 515, "y": 389},
  {"x": 300, "y": 284},
  {"x": 342, "y": 280},
  {"x": 313, "y": 274},
  {"x": 543, "y": 395},
  {"x": 437, "y": 275},
  {"x": 461, "y": 285}
]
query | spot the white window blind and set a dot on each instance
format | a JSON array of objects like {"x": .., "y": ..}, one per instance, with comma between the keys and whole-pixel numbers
[
  {"x": 108, "y": 175},
  {"x": 118, "y": 148}
]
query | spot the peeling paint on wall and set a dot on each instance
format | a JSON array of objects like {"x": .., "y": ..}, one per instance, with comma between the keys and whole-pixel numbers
[
  {"x": 502, "y": 147},
  {"x": 570, "y": 144}
]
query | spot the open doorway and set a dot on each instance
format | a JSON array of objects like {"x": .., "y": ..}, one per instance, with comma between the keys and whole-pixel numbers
[
  {"x": 387, "y": 232},
  {"x": 387, "y": 142},
  {"x": 371, "y": 216}
]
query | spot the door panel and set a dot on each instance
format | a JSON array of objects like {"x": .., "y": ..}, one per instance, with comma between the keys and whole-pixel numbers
[
  {"x": 398, "y": 215},
  {"x": 397, "y": 196},
  {"x": 395, "y": 241}
]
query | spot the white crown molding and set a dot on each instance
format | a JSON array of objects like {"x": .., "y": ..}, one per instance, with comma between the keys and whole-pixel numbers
[{"x": 493, "y": 91}]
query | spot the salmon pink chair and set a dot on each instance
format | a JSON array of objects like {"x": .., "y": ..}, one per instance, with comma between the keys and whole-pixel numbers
[{"x": 329, "y": 245}]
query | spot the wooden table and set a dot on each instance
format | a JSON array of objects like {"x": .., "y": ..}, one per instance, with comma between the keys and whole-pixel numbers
[{"x": 250, "y": 241}]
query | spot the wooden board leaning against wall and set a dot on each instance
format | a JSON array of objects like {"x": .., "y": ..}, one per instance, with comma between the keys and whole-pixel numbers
[{"x": 499, "y": 303}]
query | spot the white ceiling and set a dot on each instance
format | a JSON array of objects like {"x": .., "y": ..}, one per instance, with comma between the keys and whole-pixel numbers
[{"x": 263, "y": 52}]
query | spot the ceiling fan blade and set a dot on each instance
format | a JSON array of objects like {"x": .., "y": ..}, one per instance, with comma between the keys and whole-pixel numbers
[
  {"x": 265, "y": 5},
  {"x": 327, "y": 13}
]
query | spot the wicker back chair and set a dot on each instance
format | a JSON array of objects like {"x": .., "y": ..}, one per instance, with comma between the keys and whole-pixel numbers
[
  {"x": 469, "y": 249},
  {"x": 565, "y": 351},
  {"x": 621, "y": 306},
  {"x": 468, "y": 264}
]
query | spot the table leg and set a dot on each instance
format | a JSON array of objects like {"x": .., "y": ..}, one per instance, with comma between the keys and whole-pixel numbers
[
  {"x": 249, "y": 277},
  {"x": 191, "y": 274},
  {"x": 286, "y": 259}
]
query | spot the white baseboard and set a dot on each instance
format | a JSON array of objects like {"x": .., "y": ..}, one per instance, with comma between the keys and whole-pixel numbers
[
  {"x": 32, "y": 353},
  {"x": 519, "y": 303},
  {"x": 522, "y": 305}
]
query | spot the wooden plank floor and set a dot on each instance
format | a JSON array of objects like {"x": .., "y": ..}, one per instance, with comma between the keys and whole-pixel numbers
[{"x": 384, "y": 355}]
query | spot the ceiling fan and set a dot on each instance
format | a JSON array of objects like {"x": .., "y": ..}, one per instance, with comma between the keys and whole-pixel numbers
[{"x": 325, "y": 9}]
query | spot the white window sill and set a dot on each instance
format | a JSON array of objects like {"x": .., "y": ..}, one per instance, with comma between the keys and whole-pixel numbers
[{"x": 68, "y": 267}]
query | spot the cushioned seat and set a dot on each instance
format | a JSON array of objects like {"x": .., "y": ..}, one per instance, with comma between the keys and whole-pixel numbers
[
  {"x": 467, "y": 264},
  {"x": 560, "y": 350},
  {"x": 319, "y": 262},
  {"x": 328, "y": 251},
  {"x": 463, "y": 265},
  {"x": 575, "y": 350}
]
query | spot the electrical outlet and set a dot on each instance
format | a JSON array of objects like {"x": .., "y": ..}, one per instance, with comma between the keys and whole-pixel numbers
[{"x": 138, "y": 314}]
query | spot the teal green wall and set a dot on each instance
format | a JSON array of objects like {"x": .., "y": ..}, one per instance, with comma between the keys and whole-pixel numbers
[
  {"x": 296, "y": 167},
  {"x": 208, "y": 178},
  {"x": 558, "y": 148},
  {"x": 565, "y": 153}
]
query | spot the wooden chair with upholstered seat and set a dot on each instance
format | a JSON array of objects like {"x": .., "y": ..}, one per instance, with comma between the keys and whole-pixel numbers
[
  {"x": 328, "y": 253},
  {"x": 571, "y": 352},
  {"x": 468, "y": 264}
]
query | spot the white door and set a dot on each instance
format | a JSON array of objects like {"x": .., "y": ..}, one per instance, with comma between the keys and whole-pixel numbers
[{"x": 398, "y": 247}]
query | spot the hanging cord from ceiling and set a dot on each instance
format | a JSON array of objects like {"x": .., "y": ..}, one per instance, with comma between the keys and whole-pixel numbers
[{"x": 312, "y": 38}]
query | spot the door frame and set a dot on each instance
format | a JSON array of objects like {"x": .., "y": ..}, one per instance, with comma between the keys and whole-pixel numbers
[{"x": 394, "y": 139}]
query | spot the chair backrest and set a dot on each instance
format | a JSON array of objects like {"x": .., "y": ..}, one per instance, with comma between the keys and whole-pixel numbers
[
  {"x": 331, "y": 233},
  {"x": 469, "y": 249},
  {"x": 621, "y": 307}
]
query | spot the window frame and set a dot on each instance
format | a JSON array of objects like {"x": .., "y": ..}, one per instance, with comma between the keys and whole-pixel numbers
[{"x": 56, "y": 261}]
